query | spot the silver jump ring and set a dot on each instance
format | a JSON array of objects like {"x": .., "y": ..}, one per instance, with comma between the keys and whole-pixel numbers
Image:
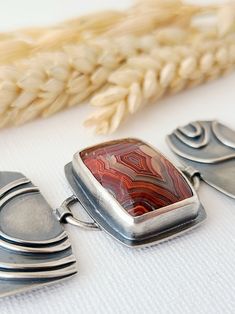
[
  {"x": 196, "y": 182},
  {"x": 65, "y": 215},
  {"x": 192, "y": 176}
]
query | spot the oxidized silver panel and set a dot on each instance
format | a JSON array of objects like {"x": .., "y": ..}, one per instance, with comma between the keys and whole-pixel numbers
[
  {"x": 34, "y": 248},
  {"x": 208, "y": 149}
]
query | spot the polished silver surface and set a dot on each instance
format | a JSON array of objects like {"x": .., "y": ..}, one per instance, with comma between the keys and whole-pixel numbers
[
  {"x": 34, "y": 248},
  {"x": 109, "y": 215},
  {"x": 207, "y": 147}
]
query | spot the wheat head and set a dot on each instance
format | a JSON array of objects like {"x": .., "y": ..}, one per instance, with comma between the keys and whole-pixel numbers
[{"x": 121, "y": 60}]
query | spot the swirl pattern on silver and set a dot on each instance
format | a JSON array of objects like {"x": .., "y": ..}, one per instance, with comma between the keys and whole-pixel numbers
[
  {"x": 194, "y": 135},
  {"x": 209, "y": 148},
  {"x": 34, "y": 248}
]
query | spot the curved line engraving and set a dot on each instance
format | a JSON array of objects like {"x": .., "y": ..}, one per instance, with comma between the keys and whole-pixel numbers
[
  {"x": 26, "y": 249},
  {"x": 16, "y": 193},
  {"x": 26, "y": 263},
  {"x": 220, "y": 137},
  {"x": 13, "y": 185},
  {"x": 60, "y": 237},
  {"x": 198, "y": 130},
  {"x": 11, "y": 195},
  {"x": 19, "y": 241},
  {"x": 41, "y": 265},
  {"x": 182, "y": 134},
  {"x": 40, "y": 275},
  {"x": 197, "y": 159}
]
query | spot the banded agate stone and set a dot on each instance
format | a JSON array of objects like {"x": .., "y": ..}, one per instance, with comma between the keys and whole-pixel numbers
[{"x": 140, "y": 178}]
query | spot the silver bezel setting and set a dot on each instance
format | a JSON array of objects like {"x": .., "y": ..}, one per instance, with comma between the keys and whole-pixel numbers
[{"x": 131, "y": 229}]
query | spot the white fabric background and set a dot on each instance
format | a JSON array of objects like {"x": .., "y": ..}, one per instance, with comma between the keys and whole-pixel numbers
[{"x": 194, "y": 273}]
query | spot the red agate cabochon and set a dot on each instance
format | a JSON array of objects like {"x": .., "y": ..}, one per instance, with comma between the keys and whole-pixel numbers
[{"x": 140, "y": 178}]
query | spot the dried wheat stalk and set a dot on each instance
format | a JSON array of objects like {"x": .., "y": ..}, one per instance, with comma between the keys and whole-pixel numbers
[
  {"x": 147, "y": 77},
  {"x": 164, "y": 50}
]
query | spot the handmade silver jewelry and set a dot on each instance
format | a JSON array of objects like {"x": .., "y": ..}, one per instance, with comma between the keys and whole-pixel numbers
[
  {"x": 128, "y": 188},
  {"x": 132, "y": 192}
]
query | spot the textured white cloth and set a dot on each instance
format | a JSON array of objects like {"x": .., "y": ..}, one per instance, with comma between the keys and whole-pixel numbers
[{"x": 194, "y": 273}]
